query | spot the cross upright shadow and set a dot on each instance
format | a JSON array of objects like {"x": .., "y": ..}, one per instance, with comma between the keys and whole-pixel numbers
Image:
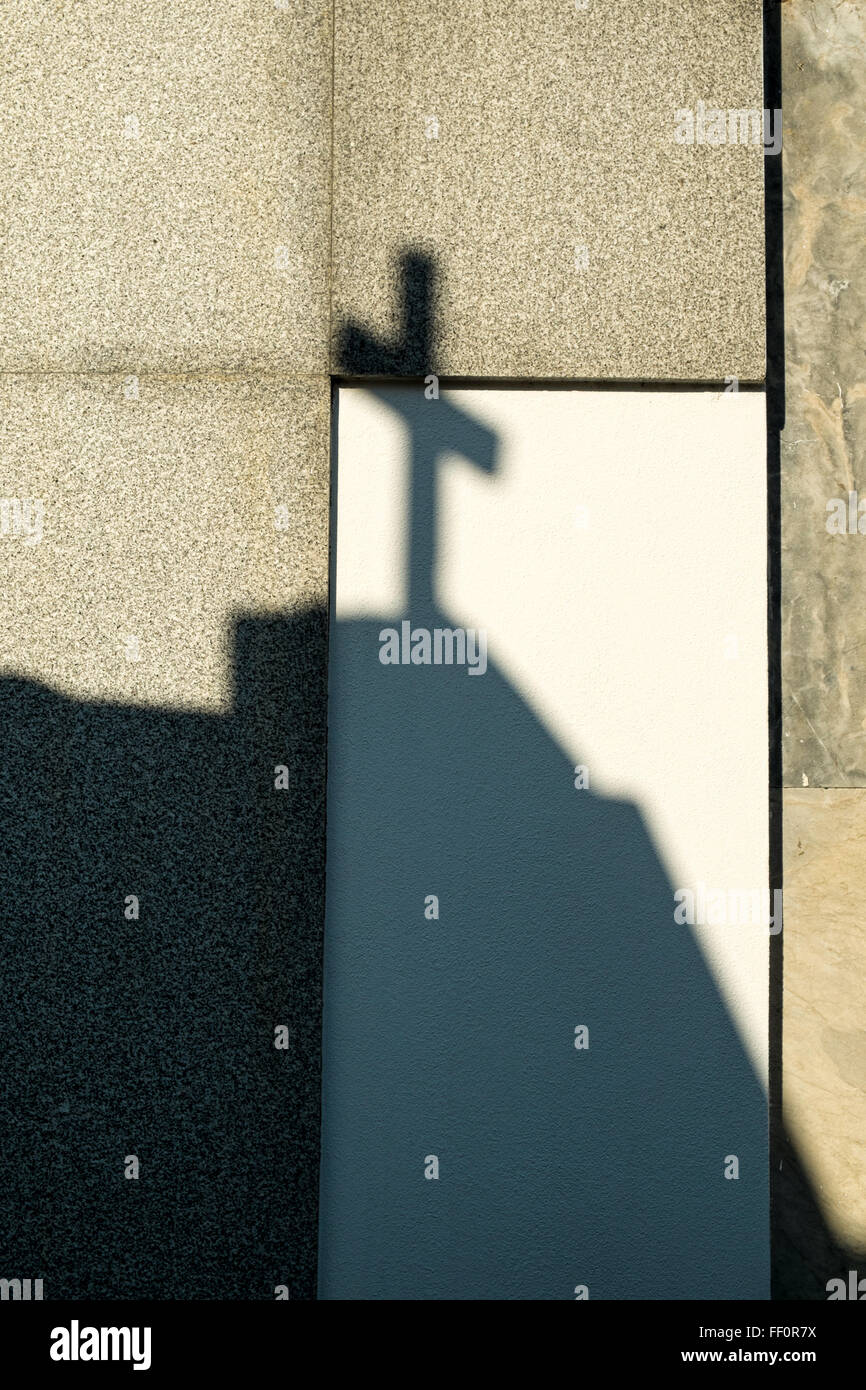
[
  {"x": 454, "y": 1036},
  {"x": 444, "y": 429}
]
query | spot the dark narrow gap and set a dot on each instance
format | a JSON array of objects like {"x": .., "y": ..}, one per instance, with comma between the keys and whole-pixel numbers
[{"x": 775, "y": 286}]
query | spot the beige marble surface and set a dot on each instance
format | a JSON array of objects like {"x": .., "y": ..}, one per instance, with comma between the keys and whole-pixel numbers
[
  {"x": 824, "y": 1058},
  {"x": 820, "y": 1206},
  {"x": 824, "y": 443}
]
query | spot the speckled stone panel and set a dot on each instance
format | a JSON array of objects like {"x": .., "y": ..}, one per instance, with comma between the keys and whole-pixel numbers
[
  {"x": 824, "y": 442},
  {"x": 165, "y": 172},
  {"x": 164, "y": 514},
  {"x": 163, "y": 652},
  {"x": 528, "y": 151}
]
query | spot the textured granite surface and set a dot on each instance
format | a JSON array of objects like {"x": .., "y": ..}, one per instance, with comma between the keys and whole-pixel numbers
[
  {"x": 824, "y": 1058},
  {"x": 164, "y": 470},
  {"x": 154, "y": 1037},
  {"x": 160, "y": 524},
  {"x": 529, "y": 150},
  {"x": 824, "y": 442},
  {"x": 165, "y": 175},
  {"x": 149, "y": 771}
]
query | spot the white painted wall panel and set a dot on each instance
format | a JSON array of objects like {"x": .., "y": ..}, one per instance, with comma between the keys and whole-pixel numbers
[{"x": 612, "y": 547}]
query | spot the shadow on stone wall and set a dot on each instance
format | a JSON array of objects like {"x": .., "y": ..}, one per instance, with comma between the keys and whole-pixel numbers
[
  {"x": 155, "y": 1037},
  {"x": 454, "y": 1037}
]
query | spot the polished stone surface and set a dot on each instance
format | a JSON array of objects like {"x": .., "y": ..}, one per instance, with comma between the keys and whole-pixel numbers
[
  {"x": 824, "y": 1057},
  {"x": 819, "y": 1214},
  {"x": 824, "y": 442}
]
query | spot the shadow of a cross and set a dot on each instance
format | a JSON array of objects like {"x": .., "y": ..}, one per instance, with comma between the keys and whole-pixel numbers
[{"x": 444, "y": 430}]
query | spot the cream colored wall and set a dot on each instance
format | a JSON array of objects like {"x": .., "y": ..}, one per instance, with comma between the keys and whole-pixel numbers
[{"x": 639, "y": 640}]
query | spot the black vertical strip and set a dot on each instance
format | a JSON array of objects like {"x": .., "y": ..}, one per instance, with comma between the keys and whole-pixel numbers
[{"x": 774, "y": 251}]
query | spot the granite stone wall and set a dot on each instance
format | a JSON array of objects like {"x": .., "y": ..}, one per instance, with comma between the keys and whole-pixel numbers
[{"x": 164, "y": 435}]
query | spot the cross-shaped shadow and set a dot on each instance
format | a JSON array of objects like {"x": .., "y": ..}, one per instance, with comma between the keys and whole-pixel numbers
[
  {"x": 448, "y": 1036},
  {"x": 444, "y": 429}
]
